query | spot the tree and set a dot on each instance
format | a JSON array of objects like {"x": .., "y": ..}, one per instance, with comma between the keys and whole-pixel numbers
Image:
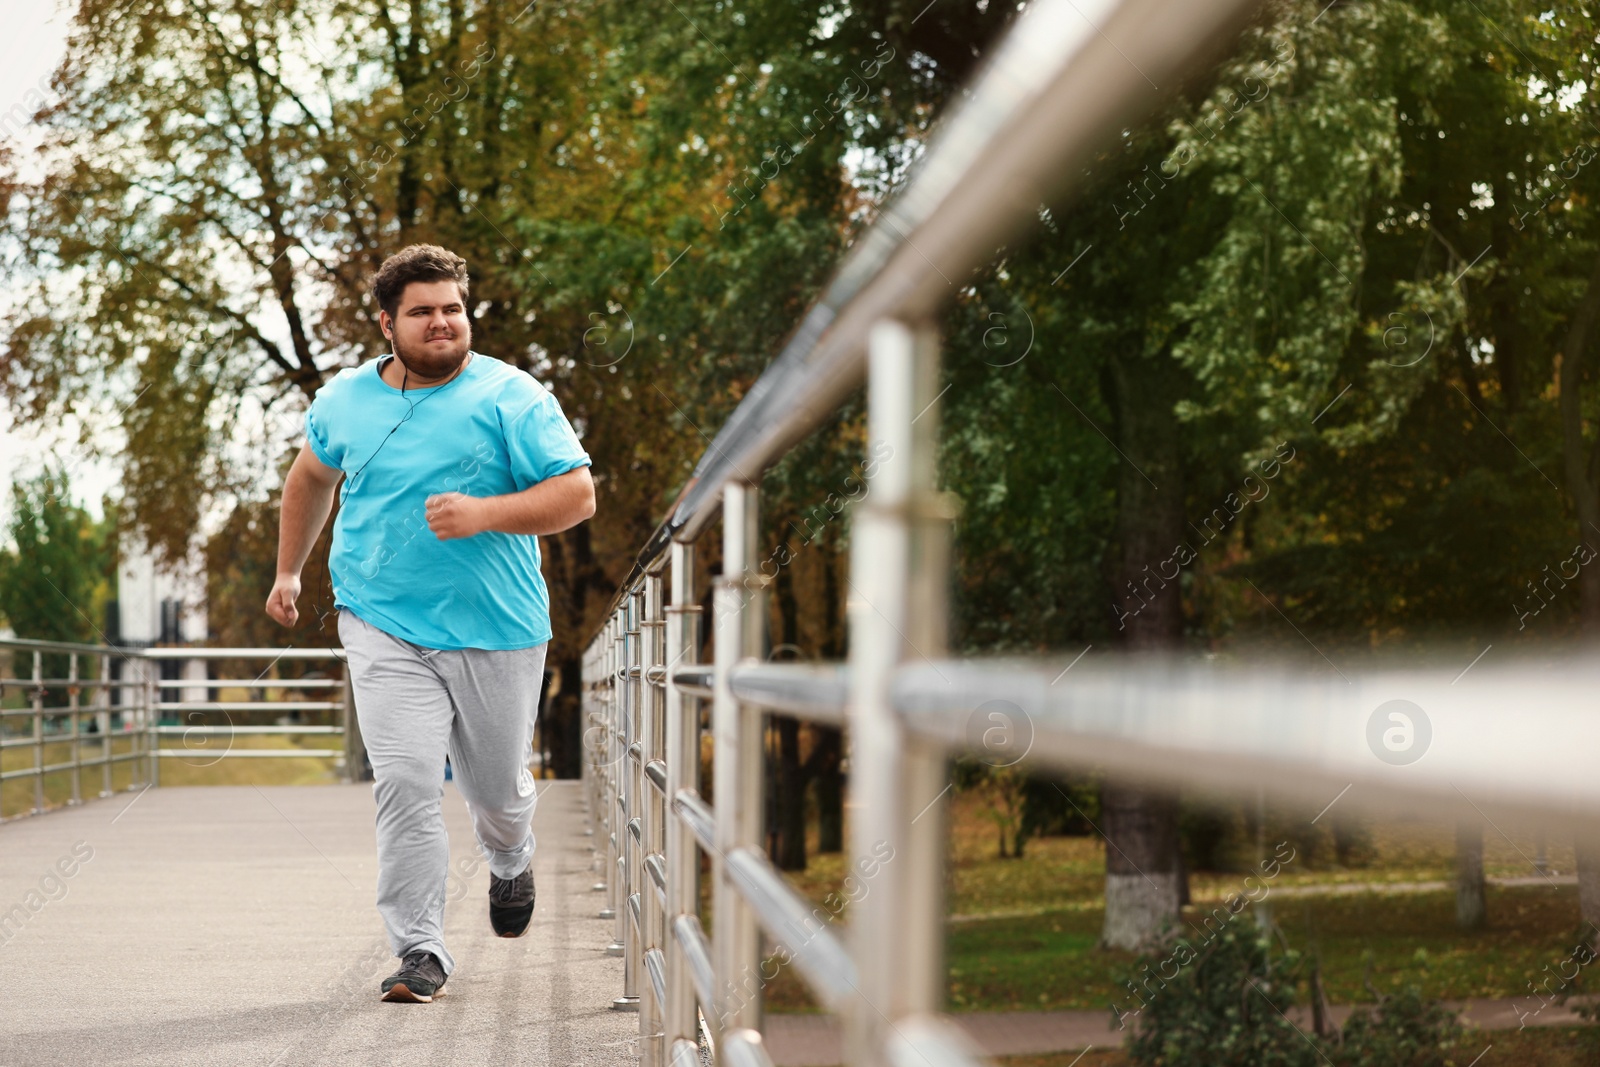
[
  {"x": 57, "y": 574},
  {"x": 220, "y": 179}
]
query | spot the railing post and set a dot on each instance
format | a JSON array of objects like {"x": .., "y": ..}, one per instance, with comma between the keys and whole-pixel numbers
[
  {"x": 613, "y": 741},
  {"x": 152, "y": 719},
  {"x": 629, "y": 897},
  {"x": 38, "y": 732},
  {"x": 73, "y": 711},
  {"x": 737, "y": 768},
  {"x": 103, "y": 720},
  {"x": 683, "y": 772},
  {"x": 897, "y": 612},
  {"x": 591, "y": 729},
  {"x": 651, "y": 920}
]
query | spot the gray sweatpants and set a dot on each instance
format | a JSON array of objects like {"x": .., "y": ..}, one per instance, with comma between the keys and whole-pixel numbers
[{"x": 414, "y": 704}]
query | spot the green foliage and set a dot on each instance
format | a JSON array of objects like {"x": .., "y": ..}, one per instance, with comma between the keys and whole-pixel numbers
[
  {"x": 1228, "y": 1003},
  {"x": 1224, "y": 1006},
  {"x": 1403, "y": 1030},
  {"x": 56, "y": 573}
]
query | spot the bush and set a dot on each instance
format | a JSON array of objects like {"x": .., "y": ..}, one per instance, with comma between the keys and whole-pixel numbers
[
  {"x": 1402, "y": 1030},
  {"x": 1227, "y": 1003}
]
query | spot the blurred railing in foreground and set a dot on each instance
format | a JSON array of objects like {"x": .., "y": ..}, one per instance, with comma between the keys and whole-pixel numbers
[
  {"x": 1057, "y": 88},
  {"x": 108, "y": 721}
]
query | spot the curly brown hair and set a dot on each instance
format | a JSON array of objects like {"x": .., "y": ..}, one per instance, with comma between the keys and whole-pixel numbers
[{"x": 417, "y": 263}]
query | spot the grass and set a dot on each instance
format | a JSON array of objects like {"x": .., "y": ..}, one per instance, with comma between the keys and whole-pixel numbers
[
  {"x": 1024, "y": 933},
  {"x": 1534, "y": 1047},
  {"x": 203, "y": 767},
  {"x": 1051, "y": 961}
]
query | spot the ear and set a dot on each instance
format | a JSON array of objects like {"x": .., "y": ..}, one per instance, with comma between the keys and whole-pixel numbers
[{"x": 386, "y": 324}]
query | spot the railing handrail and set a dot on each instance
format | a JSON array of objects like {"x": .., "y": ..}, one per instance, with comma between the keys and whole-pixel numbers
[
  {"x": 28, "y": 644},
  {"x": 990, "y": 164},
  {"x": 132, "y": 702}
]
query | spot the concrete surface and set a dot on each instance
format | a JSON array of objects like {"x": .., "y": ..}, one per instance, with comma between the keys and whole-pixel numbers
[{"x": 237, "y": 925}]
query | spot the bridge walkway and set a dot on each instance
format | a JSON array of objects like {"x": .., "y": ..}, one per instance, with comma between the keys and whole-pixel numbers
[{"x": 236, "y": 925}]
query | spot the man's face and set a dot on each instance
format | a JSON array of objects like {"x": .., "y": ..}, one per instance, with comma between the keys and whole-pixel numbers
[{"x": 429, "y": 330}]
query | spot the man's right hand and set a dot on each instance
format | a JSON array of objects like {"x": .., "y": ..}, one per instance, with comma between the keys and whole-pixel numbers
[{"x": 280, "y": 604}]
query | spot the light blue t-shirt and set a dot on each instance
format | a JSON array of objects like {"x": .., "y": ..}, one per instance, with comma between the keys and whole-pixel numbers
[{"x": 491, "y": 430}]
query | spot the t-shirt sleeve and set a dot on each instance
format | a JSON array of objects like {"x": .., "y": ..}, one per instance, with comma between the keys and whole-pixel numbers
[
  {"x": 542, "y": 443},
  {"x": 317, "y": 434}
]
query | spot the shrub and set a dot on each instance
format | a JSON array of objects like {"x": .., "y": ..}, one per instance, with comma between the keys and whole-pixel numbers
[
  {"x": 1228, "y": 1001},
  {"x": 1226, "y": 1005},
  {"x": 1402, "y": 1030}
]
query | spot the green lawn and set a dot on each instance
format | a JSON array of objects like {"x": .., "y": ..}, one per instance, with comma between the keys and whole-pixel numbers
[
  {"x": 17, "y": 796},
  {"x": 1023, "y": 933},
  {"x": 1534, "y": 1047},
  {"x": 1051, "y": 960}
]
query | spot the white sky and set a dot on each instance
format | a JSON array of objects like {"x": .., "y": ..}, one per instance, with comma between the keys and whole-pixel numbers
[{"x": 30, "y": 49}]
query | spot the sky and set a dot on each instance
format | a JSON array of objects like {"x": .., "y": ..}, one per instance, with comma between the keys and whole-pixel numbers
[{"x": 30, "y": 49}]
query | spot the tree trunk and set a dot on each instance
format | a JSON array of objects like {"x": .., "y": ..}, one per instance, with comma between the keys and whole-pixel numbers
[
  {"x": 572, "y": 571},
  {"x": 1580, "y": 460},
  {"x": 826, "y": 749},
  {"x": 1588, "y": 853},
  {"x": 791, "y": 851},
  {"x": 789, "y": 796},
  {"x": 1143, "y": 874},
  {"x": 1471, "y": 909},
  {"x": 565, "y": 740},
  {"x": 1142, "y": 884}
]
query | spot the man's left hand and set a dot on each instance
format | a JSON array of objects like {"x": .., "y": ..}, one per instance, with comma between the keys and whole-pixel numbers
[{"x": 452, "y": 515}]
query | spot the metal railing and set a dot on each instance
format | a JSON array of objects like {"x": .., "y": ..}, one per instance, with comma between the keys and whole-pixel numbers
[
  {"x": 112, "y": 706},
  {"x": 1064, "y": 79},
  {"x": 1057, "y": 88}
]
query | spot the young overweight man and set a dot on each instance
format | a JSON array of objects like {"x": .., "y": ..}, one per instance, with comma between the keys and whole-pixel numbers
[{"x": 452, "y": 464}]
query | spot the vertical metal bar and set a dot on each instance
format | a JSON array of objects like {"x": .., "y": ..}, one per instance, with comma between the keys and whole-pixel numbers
[
  {"x": 597, "y": 742},
  {"x": 683, "y": 772},
  {"x": 73, "y": 712},
  {"x": 613, "y": 793},
  {"x": 38, "y": 731},
  {"x": 737, "y": 767},
  {"x": 897, "y": 612},
  {"x": 588, "y": 726},
  {"x": 152, "y": 719},
  {"x": 103, "y": 720},
  {"x": 651, "y": 921},
  {"x": 630, "y": 868}
]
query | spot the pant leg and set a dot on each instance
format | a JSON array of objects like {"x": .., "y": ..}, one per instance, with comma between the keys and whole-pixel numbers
[
  {"x": 496, "y": 694},
  {"x": 405, "y": 713}
]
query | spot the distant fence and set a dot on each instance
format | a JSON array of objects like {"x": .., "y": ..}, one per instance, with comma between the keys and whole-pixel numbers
[{"x": 109, "y": 720}]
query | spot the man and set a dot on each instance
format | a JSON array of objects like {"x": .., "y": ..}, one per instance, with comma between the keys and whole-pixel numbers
[{"x": 452, "y": 463}]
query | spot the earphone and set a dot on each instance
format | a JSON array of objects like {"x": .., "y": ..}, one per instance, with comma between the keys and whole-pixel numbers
[
  {"x": 350, "y": 480},
  {"x": 404, "y": 380}
]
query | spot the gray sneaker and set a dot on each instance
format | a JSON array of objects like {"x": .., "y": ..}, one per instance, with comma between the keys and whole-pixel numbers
[
  {"x": 511, "y": 903},
  {"x": 418, "y": 980}
]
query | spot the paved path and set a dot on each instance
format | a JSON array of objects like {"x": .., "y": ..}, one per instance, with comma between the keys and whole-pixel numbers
[
  {"x": 815, "y": 1040},
  {"x": 1323, "y": 889},
  {"x": 235, "y": 925}
]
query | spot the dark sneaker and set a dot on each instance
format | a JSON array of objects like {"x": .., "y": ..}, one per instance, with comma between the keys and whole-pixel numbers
[
  {"x": 418, "y": 980},
  {"x": 511, "y": 903}
]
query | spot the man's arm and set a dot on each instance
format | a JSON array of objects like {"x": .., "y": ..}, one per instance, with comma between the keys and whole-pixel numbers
[
  {"x": 307, "y": 500},
  {"x": 548, "y": 507}
]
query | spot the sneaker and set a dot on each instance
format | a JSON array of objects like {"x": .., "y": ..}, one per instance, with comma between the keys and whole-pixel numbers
[
  {"x": 418, "y": 980},
  {"x": 511, "y": 903}
]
